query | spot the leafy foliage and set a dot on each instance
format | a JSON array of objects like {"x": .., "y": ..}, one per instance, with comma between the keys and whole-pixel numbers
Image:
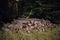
[{"x": 47, "y": 9}]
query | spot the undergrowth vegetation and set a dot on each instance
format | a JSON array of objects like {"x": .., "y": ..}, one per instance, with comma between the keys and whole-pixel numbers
[{"x": 35, "y": 35}]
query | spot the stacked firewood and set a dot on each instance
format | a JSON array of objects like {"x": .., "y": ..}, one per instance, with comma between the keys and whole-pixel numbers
[{"x": 28, "y": 25}]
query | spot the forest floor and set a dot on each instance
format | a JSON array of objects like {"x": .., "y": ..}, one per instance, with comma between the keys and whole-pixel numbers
[{"x": 35, "y": 35}]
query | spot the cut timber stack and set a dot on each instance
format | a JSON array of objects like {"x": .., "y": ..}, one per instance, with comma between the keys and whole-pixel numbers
[{"x": 28, "y": 25}]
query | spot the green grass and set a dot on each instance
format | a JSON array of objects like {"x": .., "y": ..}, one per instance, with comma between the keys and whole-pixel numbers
[{"x": 35, "y": 35}]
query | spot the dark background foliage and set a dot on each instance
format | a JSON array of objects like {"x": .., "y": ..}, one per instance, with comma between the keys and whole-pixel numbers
[{"x": 47, "y": 9}]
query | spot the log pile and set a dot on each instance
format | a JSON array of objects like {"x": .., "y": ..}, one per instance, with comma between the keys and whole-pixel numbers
[{"x": 28, "y": 25}]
